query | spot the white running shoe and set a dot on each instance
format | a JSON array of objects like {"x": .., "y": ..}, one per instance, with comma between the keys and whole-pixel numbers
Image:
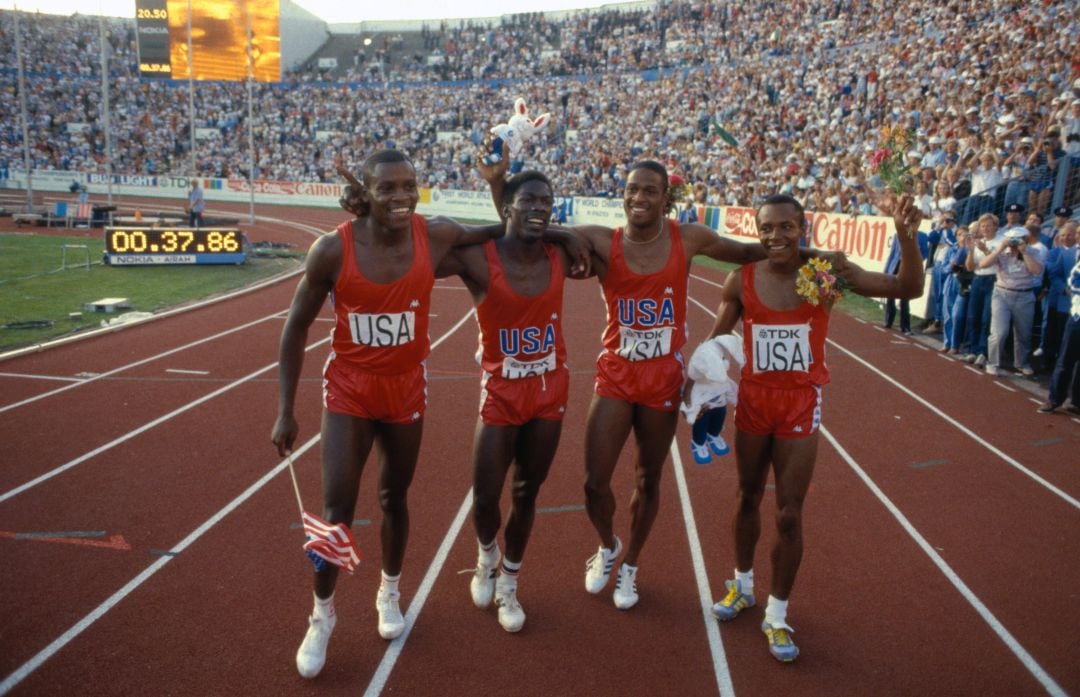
[
  {"x": 482, "y": 586},
  {"x": 391, "y": 623},
  {"x": 598, "y": 568},
  {"x": 626, "y": 595},
  {"x": 312, "y": 654},
  {"x": 511, "y": 615},
  {"x": 718, "y": 444}
]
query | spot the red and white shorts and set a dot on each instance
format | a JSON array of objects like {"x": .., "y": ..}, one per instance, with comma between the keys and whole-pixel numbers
[
  {"x": 515, "y": 402},
  {"x": 780, "y": 412},
  {"x": 656, "y": 383},
  {"x": 400, "y": 398}
]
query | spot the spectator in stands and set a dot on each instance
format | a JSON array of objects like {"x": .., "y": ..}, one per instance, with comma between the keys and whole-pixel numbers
[
  {"x": 1059, "y": 263},
  {"x": 1018, "y": 260},
  {"x": 979, "y": 245},
  {"x": 942, "y": 240},
  {"x": 1066, "y": 376}
]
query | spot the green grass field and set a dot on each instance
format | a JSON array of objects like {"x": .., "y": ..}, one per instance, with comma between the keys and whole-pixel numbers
[{"x": 37, "y": 295}]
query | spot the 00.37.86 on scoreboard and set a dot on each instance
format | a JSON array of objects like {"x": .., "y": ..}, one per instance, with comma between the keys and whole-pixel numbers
[{"x": 126, "y": 246}]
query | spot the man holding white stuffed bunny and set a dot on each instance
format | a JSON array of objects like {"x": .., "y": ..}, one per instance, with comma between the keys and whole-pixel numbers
[{"x": 1018, "y": 258}]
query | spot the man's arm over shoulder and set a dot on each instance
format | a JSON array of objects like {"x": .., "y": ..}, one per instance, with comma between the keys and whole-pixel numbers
[{"x": 700, "y": 239}]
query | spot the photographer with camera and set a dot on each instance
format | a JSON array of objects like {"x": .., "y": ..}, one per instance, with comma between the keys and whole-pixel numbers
[
  {"x": 1018, "y": 259},
  {"x": 955, "y": 292}
]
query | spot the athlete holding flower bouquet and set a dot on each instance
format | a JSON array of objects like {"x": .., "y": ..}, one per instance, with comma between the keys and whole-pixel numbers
[{"x": 784, "y": 306}]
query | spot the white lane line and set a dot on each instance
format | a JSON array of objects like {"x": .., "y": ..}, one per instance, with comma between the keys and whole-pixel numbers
[
  {"x": 114, "y": 371},
  {"x": 30, "y": 376},
  {"x": 181, "y": 371},
  {"x": 701, "y": 576},
  {"x": 393, "y": 651},
  {"x": 1029, "y": 662},
  {"x": 142, "y": 429},
  {"x": 97, "y": 613},
  {"x": 1003, "y": 386},
  {"x": 705, "y": 280},
  {"x": 962, "y": 428},
  {"x": 880, "y": 329},
  {"x": 1017, "y": 649}
]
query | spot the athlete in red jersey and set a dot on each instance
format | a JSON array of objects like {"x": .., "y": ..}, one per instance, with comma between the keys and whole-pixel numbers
[
  {"x": 379, "y": 270},
  {"x": 627, "y": 397},
  {"x": 517, "y": 285},
  {"x": 779, "y": 404}
]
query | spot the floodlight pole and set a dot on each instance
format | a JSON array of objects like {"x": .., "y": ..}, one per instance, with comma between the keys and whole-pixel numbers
[
  {"x": 191, "y": 92},
  {"x": 251, "y": 116},
  {"x": 23, "y": 117},
  {"x": 105, "y": 103}
]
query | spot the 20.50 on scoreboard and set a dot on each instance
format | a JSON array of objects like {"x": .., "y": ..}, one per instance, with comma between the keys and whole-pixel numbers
[{"x": 135, "y": 246}]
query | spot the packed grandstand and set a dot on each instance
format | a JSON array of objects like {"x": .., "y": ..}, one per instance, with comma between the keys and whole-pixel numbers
[{"x": 991, "y": 89}]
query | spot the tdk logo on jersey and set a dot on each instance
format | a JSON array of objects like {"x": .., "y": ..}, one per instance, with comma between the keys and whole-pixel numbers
[
  {"x": 644, "y": 312},
  {"x": 526, "y": 340}
]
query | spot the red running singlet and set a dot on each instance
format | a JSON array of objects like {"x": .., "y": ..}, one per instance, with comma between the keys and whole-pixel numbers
[
  {"x": 783, "y": 349},
  {"x": 521, "y": 336},
  {"x": 646, "y": 313},
  {"x": 382, "y": 327}
]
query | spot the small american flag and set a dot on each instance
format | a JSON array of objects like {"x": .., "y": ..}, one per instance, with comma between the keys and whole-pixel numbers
[{"x": 332, "y": 543}]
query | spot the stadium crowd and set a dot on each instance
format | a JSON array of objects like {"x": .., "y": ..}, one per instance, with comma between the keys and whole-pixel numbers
[{"x": 799, "y": 91}]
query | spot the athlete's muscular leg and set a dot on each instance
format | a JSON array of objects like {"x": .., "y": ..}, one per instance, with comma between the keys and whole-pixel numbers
[
  {"x": 653, "y": 431},
  {"x": 399, "y": 447},
  {"x": 606, "y": 430},
  {"x": 535, "y": 450},
  {"x": 346, "y": 443},
  {"x": 793, "y": 460},
  {"x": 493, "y": 448},
  {"x": 752, "y": 457}
]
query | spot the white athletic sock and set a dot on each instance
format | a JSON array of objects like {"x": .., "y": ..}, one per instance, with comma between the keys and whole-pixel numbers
[
  {"x": 776, "y": 613},
  {"x": 323, "y": 608},
  {"x": 389, "y": 583},
  {"x": 746, "y": 581},
  {"x": 488, "y": 553},
  {"x": 508, "y": 574}
]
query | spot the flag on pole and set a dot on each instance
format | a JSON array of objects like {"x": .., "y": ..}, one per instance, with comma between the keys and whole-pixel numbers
[
  {"x": 332, "y": 543},
  {"x": 718, "y": 130}
]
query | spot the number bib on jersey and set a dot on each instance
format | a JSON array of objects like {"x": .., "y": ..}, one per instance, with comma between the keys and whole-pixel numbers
[
  {"x": 781, "y": 347},
  {"x": 513, "y": 369},
  {"x": 385, "y": 329},
  {"x": 643, "y": 344}
]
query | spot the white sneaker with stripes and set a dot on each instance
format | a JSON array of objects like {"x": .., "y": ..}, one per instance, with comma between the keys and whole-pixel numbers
[{"x": 598, "y": 568}]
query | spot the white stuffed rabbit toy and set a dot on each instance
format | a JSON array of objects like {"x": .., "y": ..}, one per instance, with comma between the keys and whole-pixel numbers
[
  {"x": 515, "y": 134},
  {"x": 708, "y": 368}
]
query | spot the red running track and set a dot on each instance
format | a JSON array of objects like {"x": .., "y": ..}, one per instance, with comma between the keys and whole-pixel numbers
[{"x": 942, "y": 530}]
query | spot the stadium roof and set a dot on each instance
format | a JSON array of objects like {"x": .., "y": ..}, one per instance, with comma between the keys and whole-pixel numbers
[{"x": 333, "y": 11}]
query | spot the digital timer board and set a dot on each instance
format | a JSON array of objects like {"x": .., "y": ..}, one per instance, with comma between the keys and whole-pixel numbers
[
  {"x": 218, "y": 42},
  {"x": 140, "y": 246}
]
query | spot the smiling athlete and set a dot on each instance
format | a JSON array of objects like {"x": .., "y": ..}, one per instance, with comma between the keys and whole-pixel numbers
[
  {"x": 779, "y": 405},
  {"x": 517, "y": 285},
  {"x": 643, "y": 270},
  {"x": 378, "y": 271}
]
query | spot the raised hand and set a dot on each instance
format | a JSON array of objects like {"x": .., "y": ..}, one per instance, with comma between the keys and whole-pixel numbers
[{"x": 494, "y": 171}]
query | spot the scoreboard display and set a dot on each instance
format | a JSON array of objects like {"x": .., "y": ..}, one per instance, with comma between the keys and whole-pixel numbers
[
  {"x": 219, "y": 39},
  {"x": 140, "y": 246}
]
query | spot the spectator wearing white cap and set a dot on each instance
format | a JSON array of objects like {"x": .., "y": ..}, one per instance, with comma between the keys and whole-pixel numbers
[
  {"x": 937, "y": 156},
  {"x": 1019, "y": 260},
  {"x": 1015, "y": 167}
]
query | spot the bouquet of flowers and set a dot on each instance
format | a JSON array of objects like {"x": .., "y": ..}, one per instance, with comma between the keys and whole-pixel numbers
[
  {"x": 816, "y": 283},
  {"x": 889, "y": 161}
]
